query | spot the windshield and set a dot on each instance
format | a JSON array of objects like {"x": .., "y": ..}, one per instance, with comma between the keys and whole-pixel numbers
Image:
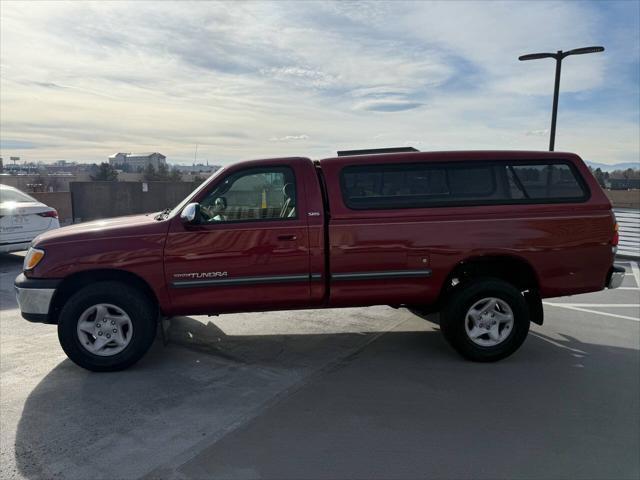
[
  {"x": 188, "y": 198},
  {"x": 10, "y": 195}
]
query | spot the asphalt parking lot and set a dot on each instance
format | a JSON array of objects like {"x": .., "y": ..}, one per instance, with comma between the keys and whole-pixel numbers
[{"x": 354, "y": 393}]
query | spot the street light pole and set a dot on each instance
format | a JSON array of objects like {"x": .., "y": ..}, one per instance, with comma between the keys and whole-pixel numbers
[
  {"x": 556, "y": 94},
  {"x": 558, "y": 57}
]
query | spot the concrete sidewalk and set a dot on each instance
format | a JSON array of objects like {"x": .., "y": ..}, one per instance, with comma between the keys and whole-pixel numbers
[{"x": 354, "y": 393}]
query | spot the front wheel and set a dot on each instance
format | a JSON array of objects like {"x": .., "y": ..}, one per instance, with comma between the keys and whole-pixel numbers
[
  {"x": 107, "y": 326},
  {"x": 486, "y": 320}
]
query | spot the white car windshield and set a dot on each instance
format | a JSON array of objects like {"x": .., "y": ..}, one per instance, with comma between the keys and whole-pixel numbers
[{"x": 10, "y": 195}]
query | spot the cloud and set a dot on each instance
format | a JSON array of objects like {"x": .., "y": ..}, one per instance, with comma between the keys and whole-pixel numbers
[
  {"x": 8, "y": 144},
  {"x": 538, "y": 133},
  {"x": 289, "y": 138},
  {"x": 46, "y": 84},
  {"x": 388, "y": 105},
  {"x": 80, "y": 80},
  {"x": 300, "y": 76}
]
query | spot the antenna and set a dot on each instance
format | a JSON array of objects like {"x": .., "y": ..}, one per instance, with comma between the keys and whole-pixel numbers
[{"x": 195, "y": 156}]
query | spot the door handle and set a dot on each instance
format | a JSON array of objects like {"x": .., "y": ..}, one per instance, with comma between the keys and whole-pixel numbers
[{"x": 287, "y": 237}]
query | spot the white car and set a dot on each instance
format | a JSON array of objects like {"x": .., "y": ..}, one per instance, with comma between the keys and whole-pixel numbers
[{"x": 22, "y": 218}]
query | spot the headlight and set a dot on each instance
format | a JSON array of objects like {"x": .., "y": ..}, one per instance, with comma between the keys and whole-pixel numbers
[{"x": 33, "y": 257}]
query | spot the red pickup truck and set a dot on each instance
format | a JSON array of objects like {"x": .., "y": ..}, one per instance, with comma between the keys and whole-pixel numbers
[{"x": 480, "y": 237}]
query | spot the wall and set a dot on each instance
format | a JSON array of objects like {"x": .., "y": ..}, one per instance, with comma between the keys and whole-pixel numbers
[
  {"x": 129, "y": 177},
  {"x": 93, "y": 200},
  {"x": 624, "y": 198},
  {"x": 61, "y": 201},
  {"x": 191, "y": 177},
  {"x": 60, "y": 183}
]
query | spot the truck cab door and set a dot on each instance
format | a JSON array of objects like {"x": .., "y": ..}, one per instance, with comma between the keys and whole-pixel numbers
[{"x": 249, "y": 248}]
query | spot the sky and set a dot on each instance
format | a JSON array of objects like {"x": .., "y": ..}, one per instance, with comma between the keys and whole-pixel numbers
[{"x": 80, "y": 81}]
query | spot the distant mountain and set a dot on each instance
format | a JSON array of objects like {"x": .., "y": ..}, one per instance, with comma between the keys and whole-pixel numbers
[{"x": 605, "y": 167}]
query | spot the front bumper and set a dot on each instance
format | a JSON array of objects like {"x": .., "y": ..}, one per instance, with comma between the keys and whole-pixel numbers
[
  {"x": 616, "y": 276},
  {"x": 34, "y": 297}
]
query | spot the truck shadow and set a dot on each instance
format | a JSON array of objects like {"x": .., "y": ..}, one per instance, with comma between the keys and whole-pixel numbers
[
  {"x": 10, "y": 267},
  {"x": 11, "y": 262},
  {"x": 205, "y": 384}
]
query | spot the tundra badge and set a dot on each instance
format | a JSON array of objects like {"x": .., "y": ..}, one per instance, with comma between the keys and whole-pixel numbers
[{"x": 200, "y": 275}]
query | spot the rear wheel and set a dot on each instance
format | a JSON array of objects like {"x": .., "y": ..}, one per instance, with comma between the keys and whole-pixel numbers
[
  {"x": 107, "y": 326},
  {"x": 486, "y": 320}
]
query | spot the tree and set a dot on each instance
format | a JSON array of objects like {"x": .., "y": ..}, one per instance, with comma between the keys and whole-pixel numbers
[
  {"x": 163, "y": 172},
  {"x": 599, "y": 176},
  {"x": 149, "y": 173},
  {"x": 628, "y": 173},
  {"x": 105, "y": 172},
  {"x": 175, "y": 175}
]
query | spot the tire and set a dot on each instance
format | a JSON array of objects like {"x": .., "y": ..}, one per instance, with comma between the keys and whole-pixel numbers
[
  {"x": 123, "y": 309},
  {"x": 480, "y": 332}
]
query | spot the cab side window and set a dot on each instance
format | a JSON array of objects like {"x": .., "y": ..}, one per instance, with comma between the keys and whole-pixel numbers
[
  {"x": 423, "y": 185},
  {"x": 252, "y": 195},
  {"x": 547, "y": 181}
]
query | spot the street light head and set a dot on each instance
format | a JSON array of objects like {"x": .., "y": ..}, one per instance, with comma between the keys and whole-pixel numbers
[
  {"x": 558, "y": 56},
  {"x": 535, "y": 56},
  {"x": 582, "y": 51}
]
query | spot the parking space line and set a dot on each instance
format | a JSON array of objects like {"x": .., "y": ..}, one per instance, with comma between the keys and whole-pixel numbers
[
  {"x": 559, "y": 345},
  {"x": 613, "y": 305},
  {"x": 580, "y": 309},
  {"x": 636, "y": 273}
]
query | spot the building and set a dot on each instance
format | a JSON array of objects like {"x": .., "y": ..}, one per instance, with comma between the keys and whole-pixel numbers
[
  {"x": 63, "y": 166},
  {"x": 196, "y": 169},
  {"x": 137, "y": 160},
  {"x": 42, "y": 182},
  {"x": 623, "y": 183}
]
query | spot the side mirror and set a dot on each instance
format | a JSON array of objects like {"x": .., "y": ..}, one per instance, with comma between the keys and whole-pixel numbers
[{"x": 190, "y": 213}]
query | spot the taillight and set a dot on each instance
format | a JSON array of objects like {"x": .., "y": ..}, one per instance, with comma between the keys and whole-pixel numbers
[
  {"x": 616, "y": 235},
  {"x": 49, "y": 214}
]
